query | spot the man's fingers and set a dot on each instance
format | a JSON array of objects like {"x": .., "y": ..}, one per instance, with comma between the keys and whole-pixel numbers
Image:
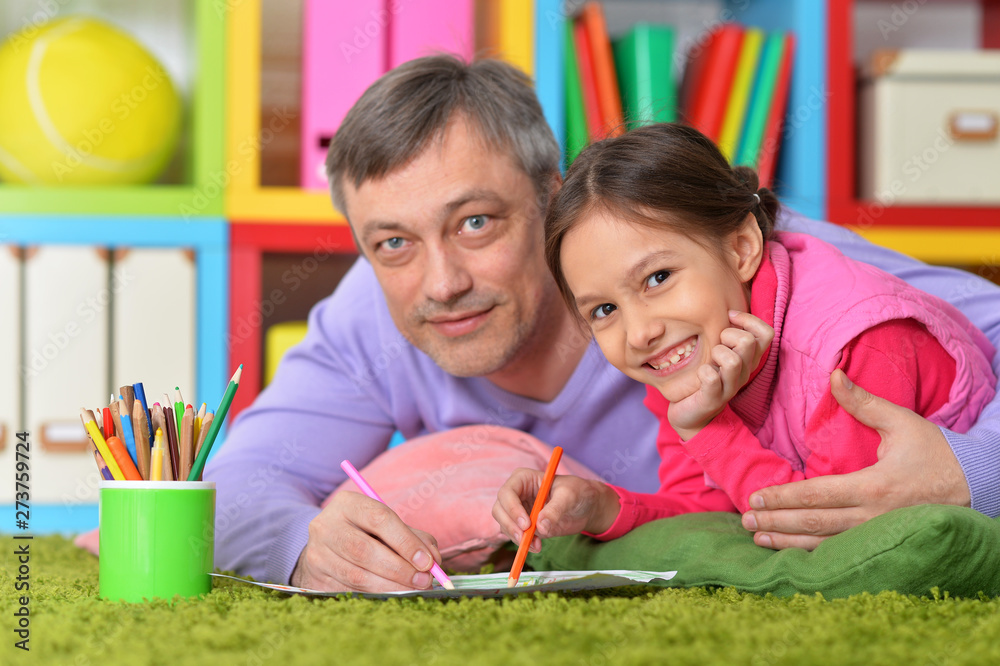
[
  {"x": 869, "y": 409},
  {"x": 396, "y": 553},
  {"x": 779, "y": 541},
  {"x": 819, "y": 492},
  {"x": 807, "y": 522}
]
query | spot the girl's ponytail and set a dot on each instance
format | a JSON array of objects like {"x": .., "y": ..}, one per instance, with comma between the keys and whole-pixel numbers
[{"x": 766, "y": 211}]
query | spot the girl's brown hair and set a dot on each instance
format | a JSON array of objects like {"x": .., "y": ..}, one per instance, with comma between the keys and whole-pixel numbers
[{"x": 662, "y": 176}]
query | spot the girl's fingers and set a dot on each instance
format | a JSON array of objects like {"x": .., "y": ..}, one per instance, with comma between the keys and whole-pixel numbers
[
  {"x": 762, "y": 332},
  {"x": 711, "y": 385},
  {"x": 732, "y": 370}
]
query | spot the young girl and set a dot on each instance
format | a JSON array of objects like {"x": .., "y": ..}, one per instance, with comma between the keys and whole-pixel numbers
[{"x": 669, "y": 256}]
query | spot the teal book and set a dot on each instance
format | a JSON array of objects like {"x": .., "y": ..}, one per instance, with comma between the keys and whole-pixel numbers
[
  {"x": 760, "y": 100},
  {"x": 643, "y": 58}
]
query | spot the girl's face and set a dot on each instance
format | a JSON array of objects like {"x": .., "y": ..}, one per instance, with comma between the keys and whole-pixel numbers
[{"x": 656, "y": 301}]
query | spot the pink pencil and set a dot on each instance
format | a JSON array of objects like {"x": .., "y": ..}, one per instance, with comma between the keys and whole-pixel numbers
[{"x": 356, "y": 477}]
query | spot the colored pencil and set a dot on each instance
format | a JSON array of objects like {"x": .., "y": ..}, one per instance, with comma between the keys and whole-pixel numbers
[
  {"x": 140, "y": 395},
  {"x": 187, "y": 442},
  {"x": 205, "y": 425},
  {"x": 127, "y": 432},
  {"x": 178, "y": 406},
  {"x": 141, "y": 431},
  {"x": 102, "y": 466},
  {"x": 95, "y": 435},
  {"x": 199, "y": 418},
  {"x": 109, "y": 423},
  {"x": 356, "y": 477},
  {"x": 529, "y": 534},
  {"x": 116, "y": 416},
  {"x": 160, "y": 423},
  {"x": 120, "y": 453},
  {"x": 213, "y": 430},
  {"x": 172, "y": 445},
  {"x": 127, "y": 393},
  {"x": 156, "y": 464}
]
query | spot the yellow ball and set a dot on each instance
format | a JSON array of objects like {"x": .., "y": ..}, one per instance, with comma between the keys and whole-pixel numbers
[{"x": 83, "y": 103}]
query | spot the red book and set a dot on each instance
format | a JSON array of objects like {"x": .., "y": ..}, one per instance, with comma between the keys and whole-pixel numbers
[
  {"x": 595, "y": 128},
  {"x": 711, "y": 79},
  {"x": 608, "y": 97},
  {"x": 768, "y": 160}
]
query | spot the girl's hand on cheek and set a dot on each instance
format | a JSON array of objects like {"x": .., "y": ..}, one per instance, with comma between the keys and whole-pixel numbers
[{"x": 737, "y": 355}]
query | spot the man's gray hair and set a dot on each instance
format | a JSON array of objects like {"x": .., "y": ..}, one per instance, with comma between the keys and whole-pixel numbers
[{"x": 411, "y": 105}]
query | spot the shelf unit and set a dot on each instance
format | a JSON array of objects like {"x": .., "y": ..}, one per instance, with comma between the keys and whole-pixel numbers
[
  {"x": 198, "y": 195},
  {"x": 949, "y": 234},
  {"x": 209, "y": 240}
]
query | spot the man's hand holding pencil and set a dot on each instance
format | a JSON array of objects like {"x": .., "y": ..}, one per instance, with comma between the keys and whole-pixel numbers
[{"x": 357, "y": 543}]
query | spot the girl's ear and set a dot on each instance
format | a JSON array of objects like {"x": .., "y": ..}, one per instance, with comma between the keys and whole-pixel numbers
[{"x": 747, "y": 248}]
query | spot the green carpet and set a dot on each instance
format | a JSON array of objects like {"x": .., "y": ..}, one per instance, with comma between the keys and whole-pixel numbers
[{"x": 242, "y": 624}]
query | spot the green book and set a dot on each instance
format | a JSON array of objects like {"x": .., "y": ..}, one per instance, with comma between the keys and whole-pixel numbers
[
  {"x": 760, "y": 100},
  {"x": 576, "y": 115},
  {"x": 643, "y": 58}
]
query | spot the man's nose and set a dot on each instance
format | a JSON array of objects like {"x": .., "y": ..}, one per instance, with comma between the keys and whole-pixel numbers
[{"x": 446, "y": 278}]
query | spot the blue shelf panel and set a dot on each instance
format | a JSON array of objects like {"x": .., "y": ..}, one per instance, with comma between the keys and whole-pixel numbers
[
  {"x": 801, "y": 176},
  {"x": 549, "y": 17},
  {"x": 65, "y": 519}
]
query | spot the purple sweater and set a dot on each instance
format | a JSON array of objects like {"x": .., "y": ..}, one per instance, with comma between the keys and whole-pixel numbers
[{"x": 354, "y": 381}]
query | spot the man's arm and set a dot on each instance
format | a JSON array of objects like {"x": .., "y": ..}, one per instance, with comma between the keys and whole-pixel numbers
[
  {"x": 918, "y": 462},
  {"x": 282, "y": 456}
]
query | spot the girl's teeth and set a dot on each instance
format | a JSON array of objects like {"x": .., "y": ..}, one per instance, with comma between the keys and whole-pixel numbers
[{"x": 681, "y": 352}]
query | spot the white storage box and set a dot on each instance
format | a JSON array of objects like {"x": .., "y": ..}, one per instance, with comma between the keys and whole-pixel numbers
[{"x": 928, "y": 127}]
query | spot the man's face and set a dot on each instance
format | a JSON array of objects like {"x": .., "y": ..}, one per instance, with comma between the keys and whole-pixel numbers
[{"x": 455, "y": 238}]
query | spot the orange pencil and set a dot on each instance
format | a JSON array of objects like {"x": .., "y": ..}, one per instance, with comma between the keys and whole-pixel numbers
[
  {"x": 186, "y": 435},
  {"x": 529, "y": 534},
  {"x": 141, "y": 438},
  {"x": 123, "y": 459}
]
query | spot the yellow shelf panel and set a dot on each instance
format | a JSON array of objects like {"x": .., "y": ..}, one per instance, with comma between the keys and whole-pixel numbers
[
  {"x": 281, "y": 205},
  {"x": 963, "y": 246}
]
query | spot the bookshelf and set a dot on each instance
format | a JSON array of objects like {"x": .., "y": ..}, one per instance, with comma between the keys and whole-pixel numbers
[{"x": 950, "y": 234}]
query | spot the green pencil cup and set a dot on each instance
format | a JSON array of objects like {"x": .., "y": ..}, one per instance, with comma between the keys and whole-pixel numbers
[{"x": 157, "y": 539}]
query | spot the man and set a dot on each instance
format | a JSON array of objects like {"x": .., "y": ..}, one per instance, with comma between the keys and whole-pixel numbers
[{"x": 450, "y": 318}]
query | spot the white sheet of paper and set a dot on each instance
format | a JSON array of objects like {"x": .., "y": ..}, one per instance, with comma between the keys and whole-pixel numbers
[{"x": 495, "y": 585}]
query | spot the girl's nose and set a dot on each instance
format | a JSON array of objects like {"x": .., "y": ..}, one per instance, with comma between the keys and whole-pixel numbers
[{"x": 643, "y": 331}]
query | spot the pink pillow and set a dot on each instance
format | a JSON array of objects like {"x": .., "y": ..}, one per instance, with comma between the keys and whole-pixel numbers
[
  {"x": 89, "y": 540},
  {"x": 446, "y": 484}
]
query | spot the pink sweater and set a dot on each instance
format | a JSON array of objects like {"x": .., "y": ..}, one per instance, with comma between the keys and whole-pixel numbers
[{"x": 785, "y": 425}]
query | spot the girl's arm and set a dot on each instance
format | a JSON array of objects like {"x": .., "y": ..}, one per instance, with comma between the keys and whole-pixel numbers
[{"x": 918, "y": 379}]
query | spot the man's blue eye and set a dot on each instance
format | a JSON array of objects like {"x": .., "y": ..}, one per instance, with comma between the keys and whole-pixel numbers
[
  {"x": 393, "y": 243},
  {"x": 657, "y": 278},
  {"x": 475, "y": 222},
  {"x": 602, "y": 311}
]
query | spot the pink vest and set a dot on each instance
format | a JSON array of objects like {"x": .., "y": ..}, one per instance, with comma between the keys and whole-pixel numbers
[{"x": 831, "y": 299}]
